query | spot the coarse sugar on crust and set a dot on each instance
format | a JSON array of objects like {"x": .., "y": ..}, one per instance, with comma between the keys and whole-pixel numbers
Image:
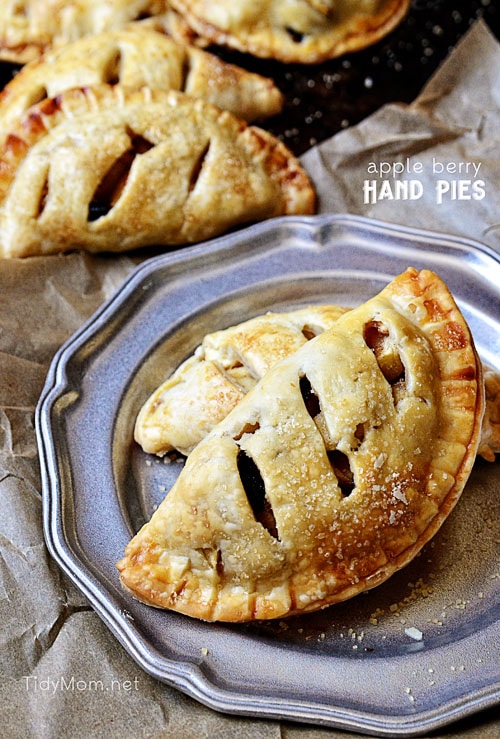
[
  {"x": 330, "y": 475},
  {"x": 139, "y": 56},
  {"x": 109, "y": 169}
]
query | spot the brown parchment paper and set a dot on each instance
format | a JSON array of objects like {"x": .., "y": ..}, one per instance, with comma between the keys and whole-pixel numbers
[
  {"x": 455, "y": 121},
  {"x": 54, "y": 650}
]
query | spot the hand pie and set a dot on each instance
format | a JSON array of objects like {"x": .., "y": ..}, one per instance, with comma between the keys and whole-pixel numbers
[
  {"x": 139, "y": 57},
  {"x": 330, "y": 475},
  {"x": 29, "y": 27},
  {"x": 227, "y": 364},
  {"x": 304, "y": 31},
  {"x": 108, "y": 169}
]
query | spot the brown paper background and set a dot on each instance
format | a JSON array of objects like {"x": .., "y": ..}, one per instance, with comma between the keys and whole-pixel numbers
[
  {"x": 455, "y": 119},
  {"x": 48, "y": 631}
]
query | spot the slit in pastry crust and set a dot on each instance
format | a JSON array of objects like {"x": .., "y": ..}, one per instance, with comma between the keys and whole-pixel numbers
[
  {"x": 135, "y": 57},
  {"x": 113, "y": 182}
]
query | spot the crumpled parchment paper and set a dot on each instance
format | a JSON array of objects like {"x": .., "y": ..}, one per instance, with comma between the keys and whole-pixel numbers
[
  {"x": 62, "y": 672},
  {"x": 445, "y": 146}
]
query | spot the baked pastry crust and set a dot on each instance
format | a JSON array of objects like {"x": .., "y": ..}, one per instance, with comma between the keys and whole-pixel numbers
[
  {"x": 138, "y": 56},
  {"x": 226, "y": 365},
  {"x": 330, "y": 475},
  {"x": 161, "y": 168},
  {"x": 30, "y": 27},
  {"x": 304, "y": 31}
]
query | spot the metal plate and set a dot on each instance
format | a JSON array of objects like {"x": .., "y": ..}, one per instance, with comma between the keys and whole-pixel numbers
[{"x": 355, "y": 665}]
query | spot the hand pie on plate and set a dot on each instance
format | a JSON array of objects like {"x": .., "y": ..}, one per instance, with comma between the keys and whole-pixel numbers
[
  {"x": 139, "y": 57},
  {"x": 303, "y": 31},
  {"x": 227, "y": 364},
  {"x": 330, "y": 475},
  {"x": 109, "y": 169}
]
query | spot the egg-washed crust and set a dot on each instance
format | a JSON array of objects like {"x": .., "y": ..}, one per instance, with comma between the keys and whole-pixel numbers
[
  {"x": 29, "y": 27},
  {"x": 138, "y": 56},
  {"x": 163, "y": 168},
  {"x": 227, "y": 364},
  {"x": 391, "y": 396},
  {"x": 305, "y": 31}
]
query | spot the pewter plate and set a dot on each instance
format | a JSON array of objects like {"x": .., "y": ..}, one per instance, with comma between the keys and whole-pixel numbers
[{"x": 359, "y": 665}]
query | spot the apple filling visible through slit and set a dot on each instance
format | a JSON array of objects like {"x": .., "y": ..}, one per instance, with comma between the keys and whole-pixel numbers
[{"x": 112, "y": 184}]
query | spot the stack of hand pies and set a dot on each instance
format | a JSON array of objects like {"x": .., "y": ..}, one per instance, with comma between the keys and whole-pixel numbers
[
  {"x": 121, "y": 131},
  {"x": 325, "y": 448}
]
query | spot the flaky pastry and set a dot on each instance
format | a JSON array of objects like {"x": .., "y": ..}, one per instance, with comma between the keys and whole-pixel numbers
[
  {"x": 30, "y": 27},
  {"x": 304, "y": 31},
  {"x": 330, "y": 474},
  {"x": 226, "y": 365},
  {"x": 137, "y": 56},
  {"x": 105, "y": 168}
]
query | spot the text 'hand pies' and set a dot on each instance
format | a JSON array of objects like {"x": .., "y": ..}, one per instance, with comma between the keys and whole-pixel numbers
[
  {"x": 330, "y": 474},
  {"x": 110, "y": 169}
]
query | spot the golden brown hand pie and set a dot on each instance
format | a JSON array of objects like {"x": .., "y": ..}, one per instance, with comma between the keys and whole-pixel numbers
[
  {"x": 29, "y": 27},
  {"x": 304, "y": 31},
  {"x": 330, "y": 475},
  {"x": 109, "y": 169},
  {"x": 137, "y": 57},
  {"x": 227, "y": 364}
]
